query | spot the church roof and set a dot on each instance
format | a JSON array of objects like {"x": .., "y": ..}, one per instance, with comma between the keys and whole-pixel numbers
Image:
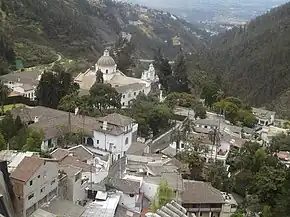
[{"x": 106, "y": 60}]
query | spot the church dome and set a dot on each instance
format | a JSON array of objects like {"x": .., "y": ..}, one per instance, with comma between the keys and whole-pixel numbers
[{"x": 106, "y": 60}]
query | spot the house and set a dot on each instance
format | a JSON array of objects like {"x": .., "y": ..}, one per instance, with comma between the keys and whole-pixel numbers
[
  {"x": 22, "y": 83},
  {"x": 113, "y": 133},
  {"x": 94, "y": 170},
  {"x": 204, "y": 200},
  {"x": 268, "y": 132},
  {"x": 264, "y": 117},
  {"x": 35, "y": 181},
  {"x": 131, "y": 196},
  {"x": 14, "y": 158}
]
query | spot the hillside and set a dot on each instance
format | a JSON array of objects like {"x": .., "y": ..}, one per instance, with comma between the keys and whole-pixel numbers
[
  {"x": 254, "y": 60},
  {"x": 37, "y": 30}
]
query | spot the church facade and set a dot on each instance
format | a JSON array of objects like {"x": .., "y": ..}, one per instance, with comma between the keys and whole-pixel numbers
[{"x": 128, "y": 87}]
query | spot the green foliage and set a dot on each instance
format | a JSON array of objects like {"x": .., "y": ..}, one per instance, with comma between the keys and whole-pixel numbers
[
  {"x": 33, "y": 54},
  {"x": 103, "y": 96},
  {"x": 209, "y": 93},
  {"x": 124, "y": 55},
  {"x": 252, "y": 59},
  {"x": 152, "y": 116},
  {"x": 235, "y": 111},
  {"x": 3, "y": 144},
  {"x": 164, "y": 195},
  {"x": 4, "y": 91},
  {"x": 99, "y": 77},
  {"x": 180, "y": 99},
  {"x": 33, "y": 141},
  {"x": 53, "y": 86},
  {"x": 237, "y": 214}
]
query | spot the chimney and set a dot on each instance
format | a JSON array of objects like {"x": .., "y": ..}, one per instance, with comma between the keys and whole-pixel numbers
[
  {"x": 105, "y": 125},
  {"x": 36, "y": 119},
  {"x": 76, "y": 111}
]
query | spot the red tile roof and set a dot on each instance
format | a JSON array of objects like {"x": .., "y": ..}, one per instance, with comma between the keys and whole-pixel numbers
[{"x": 26, "y": 169}]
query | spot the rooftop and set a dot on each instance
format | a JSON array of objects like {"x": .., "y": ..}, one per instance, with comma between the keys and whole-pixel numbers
[
  {"x": 26, "y": 169},
  {"x": 124, "y": 185},
  {"x": 25, "y": 77},
  {"x": 81, "y": 152},
  {"x": 53, "y": 122},
  {"x": 13, "y": 158},
  {"x": 102, "y": 208},
  {"x": 63, "y": 208},
  {"x": 263, "y": 113},
  {"x": 137, "y": 148},
  {"x": 117, "y": 119},
  {"x": 197, "y": 192}
]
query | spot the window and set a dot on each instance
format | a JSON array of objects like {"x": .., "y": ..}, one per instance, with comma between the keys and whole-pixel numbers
[
  {"x": 123, "y": 104},
  {"x": 127, "y": 141},
  {"x": 119, "y": 156},
  {"x": 131, "y": 195},
  {"x": 31, "y": 182},
  {"x": 107, "y": 71},
  {"x": 98, "y": 142},
  {"x": 124, "y": 96},
  {"x": 30, "y": 196},
  {"x": 52, "y": 182},
  {"x": 200, "y": 214},
  {"x": 42, "y": 190},
  {"x": 38, "y": 176},
  {"x": 134, "y": 93}
]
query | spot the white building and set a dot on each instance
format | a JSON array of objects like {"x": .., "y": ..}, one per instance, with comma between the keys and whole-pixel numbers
[
  {"x": 129, "y": 87},
  {"x": 113, "y": 133},
  {"x": 264, "y": 117},
  {"x": 22, "y": 83},
  {"x": 35, "y": 181}
]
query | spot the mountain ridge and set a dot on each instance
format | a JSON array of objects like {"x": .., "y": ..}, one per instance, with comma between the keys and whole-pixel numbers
[{"x": 82, "y": 29}]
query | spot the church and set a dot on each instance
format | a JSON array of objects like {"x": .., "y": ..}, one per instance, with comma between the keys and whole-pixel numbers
[{"x": 129, "y": 87}]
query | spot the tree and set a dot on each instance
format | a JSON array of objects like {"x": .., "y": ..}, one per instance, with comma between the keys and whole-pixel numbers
[
  {"x": 53, "y": 86},
  {"x": 7, "y": 127},
  {"x": 4, "y": 91},
  {"x": 34, "y": 141},
  {"x": 209, "y": 93},
  {"x": 199, "y": 110},
  {"x": 180, "y": 99},
  {"x": 124, "y": 55},
  {"x": 179, "y": 81},
  {"x": 164, "y": 195},
  {"x": 3, "y": 144},
  {"x": 237, "y": 214},
  {"x": 99, "y": 77},
  {"x": 103, "y": 96},
  {"x": 163, "y": 69}
]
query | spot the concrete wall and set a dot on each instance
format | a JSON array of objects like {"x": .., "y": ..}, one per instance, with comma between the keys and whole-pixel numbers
[{"x": 149, "y": 189}]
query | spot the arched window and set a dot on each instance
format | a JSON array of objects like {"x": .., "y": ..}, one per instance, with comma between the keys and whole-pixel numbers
[
  {"x": 107, "y": 71},
  {"x": 127, "y": 141}
]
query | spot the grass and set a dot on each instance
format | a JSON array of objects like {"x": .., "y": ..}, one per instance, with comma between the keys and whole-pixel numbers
[{"x": 11, "y": 106}]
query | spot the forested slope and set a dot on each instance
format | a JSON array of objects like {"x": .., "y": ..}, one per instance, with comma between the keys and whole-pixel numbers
[
  {"x": 254, "y": 60},
  {"x": 38, "y": 29}
]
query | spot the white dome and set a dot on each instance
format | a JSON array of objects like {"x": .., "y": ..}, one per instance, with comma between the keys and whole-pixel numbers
[{"x": 106, "y": 60}]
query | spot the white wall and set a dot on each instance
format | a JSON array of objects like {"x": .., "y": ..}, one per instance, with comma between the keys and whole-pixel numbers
[
  {"x": 116, "y": 144},
  {"x": 149, "y": 189},
  {"x": 129, "y": 202},
  {"x": 46, "y": 177},
  {"x": 44, "y": 145}
]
